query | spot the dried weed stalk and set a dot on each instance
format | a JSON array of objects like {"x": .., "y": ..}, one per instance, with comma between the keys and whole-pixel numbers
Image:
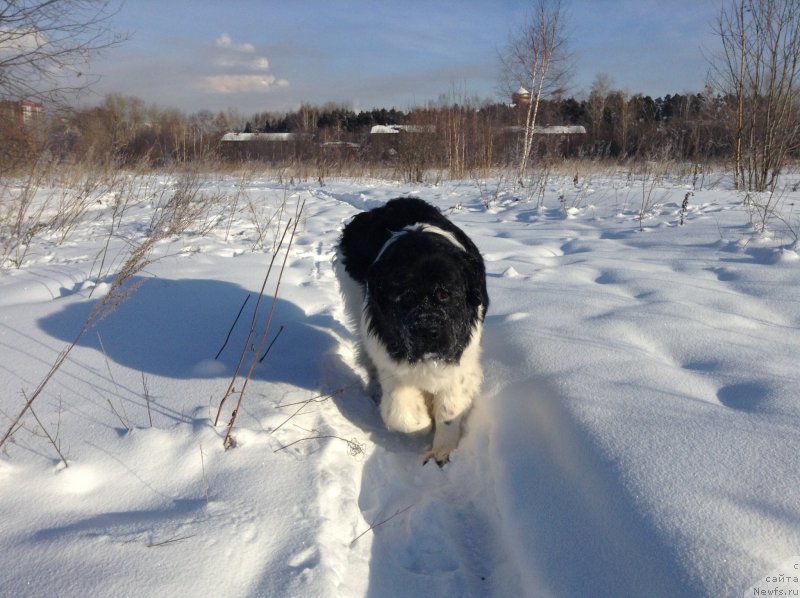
[{"x": 256, "y": 342}]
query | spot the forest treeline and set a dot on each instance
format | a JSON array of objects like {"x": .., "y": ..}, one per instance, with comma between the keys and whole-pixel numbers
[{"x": 455, "y": 135}]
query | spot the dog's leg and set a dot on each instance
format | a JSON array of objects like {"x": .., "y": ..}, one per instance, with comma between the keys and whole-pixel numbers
[
  {"x": 449, "y": 410},
  {"x": 373, "y": 388},
  {"x": 451, "y": 405},
  {"x": 403, "y": 409}
]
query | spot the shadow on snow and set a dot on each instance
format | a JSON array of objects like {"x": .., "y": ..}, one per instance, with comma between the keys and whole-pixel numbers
[{"x": 175, "y": 328}]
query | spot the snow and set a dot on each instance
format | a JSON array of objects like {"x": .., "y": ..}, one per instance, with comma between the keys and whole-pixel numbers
[
  {"x": 638, "y": 432},
  {"x": 259, "y": 137},
  {"x": 548, "y": 130},
  {"x": 395, "y": 129}
]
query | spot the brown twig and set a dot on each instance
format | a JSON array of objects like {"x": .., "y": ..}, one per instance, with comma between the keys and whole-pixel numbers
[
  {"x": 303, "y": 404},
  {"x": 277, "y": 334},
  {"x": 372, "y": 527},
  {"x": 170, "y": 541},
  {"x": 353, "y": 446},
  {"x": 147, "y": 399},
  {"x": 203, "y": 465},
  {"x": 50, "y": 438},
  {"x": 227, "y": 338}
]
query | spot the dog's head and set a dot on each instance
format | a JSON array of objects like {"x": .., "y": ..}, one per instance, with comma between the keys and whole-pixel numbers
[{"x": 424, "y": 298}]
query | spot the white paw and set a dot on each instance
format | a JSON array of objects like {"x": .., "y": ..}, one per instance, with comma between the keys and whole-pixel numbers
[
  {"x": 405, "y": 410},
  {"x": 445, "y": 440},
  {"x": 441, "y": 457}
]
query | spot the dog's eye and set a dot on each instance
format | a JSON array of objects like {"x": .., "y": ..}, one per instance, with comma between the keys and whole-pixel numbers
[{"x": 442, "y": 296}]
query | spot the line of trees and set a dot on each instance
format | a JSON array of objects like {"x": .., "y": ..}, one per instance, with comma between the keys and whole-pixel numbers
[{"x": 455, "y": 134}]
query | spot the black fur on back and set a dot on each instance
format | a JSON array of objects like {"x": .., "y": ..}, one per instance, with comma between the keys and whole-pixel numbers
[{"x": 365, "y": 235}]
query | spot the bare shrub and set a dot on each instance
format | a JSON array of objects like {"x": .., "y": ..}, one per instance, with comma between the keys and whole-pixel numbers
[
  {"x": 652, "y": 177},
  {"x": 489, "y": 189},
  {"x": 22, "y": 210},
  {"x": 183, "y": 205},
  {"x": 81, "y": 187}
]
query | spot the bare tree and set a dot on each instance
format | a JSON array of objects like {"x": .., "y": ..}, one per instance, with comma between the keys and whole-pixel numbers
[
  {"x": 758, "y": 68},
  {"x": 598, "y": 99},
  {"x": 46, "y": 45},
  {"x": 536, "y": 57}
]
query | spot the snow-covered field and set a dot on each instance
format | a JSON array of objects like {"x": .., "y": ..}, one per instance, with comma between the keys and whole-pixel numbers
[{"x": 638, "y": 433}]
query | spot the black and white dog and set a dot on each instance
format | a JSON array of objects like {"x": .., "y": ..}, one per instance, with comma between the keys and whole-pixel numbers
[{"x": 415, "y": 287}]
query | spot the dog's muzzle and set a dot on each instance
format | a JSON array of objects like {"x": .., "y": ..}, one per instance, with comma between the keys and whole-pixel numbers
[{"x": 427, "y": 337}]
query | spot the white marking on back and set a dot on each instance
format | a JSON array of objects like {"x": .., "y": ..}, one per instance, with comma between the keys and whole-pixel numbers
[{"x": 419, "y": 227}]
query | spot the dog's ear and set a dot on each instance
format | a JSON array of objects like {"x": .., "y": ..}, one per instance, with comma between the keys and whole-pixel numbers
[
  {"x": 474, "y": 273},
  {"x": 360, "y": 242}
]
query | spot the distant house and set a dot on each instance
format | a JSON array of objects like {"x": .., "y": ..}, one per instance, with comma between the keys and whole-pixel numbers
[
  {"x": 386, "y": 141},
  {"x": 250, "y": 137},
  {"x": 22, "y": 112},
  {"x": 270, "y": 147},
  {"x": 397, "y": 129},
  {"x": 555, "y": 140}
]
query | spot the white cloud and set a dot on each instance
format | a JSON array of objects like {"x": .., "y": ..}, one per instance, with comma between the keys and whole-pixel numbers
[
  {"x": 260, "y": 64},
  {"x": 225, "y": 42},
  {"x": 20, "y": 41},
  {"x": 235, "y": 64},
  {"x": 229, "y": 84}
]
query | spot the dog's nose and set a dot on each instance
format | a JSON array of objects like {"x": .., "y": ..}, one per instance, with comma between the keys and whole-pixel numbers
[
  {"x": 427, "y": 329},
  {"x": 432, "y": 333}
]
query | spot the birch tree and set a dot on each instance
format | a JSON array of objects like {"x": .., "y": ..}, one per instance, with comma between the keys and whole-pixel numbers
[
  {"x": 536, "y": 58},
  {"x": 758, "y": 69}
]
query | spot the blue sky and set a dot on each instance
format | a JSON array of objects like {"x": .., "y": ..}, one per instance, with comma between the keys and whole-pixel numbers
[{"x": 272, "y": 55}]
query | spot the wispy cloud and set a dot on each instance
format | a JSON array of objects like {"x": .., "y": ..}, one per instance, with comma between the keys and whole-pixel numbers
[
  {"x": 239, "y": 69},
  {"x": 234, "y": 62},
  {"x": 224, "y": 41},
  {"x": 230, "y": 84}
]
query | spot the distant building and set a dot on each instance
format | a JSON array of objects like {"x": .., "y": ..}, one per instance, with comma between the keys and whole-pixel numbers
[
  {"x": 242, "y": 137},
  {"x": 396, "y": 129},
  {"x": 521, "y": 97},
  {"x": 269, "y": 147},
  {"x": 549, "y": 140},
  {"x": 29, "y": 111},
  {"x": 23, "y": 112}
]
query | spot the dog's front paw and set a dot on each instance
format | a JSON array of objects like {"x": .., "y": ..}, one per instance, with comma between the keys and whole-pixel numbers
[
  {"x": 405, "y": 410},
  {"x": 408, "y": 422},
  {"x": 441, "y": 458}
]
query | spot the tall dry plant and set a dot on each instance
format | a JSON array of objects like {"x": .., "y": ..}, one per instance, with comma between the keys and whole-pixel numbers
[
  {"x": 22, "y": 210},
  {"x": 255, "y": 346}
]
